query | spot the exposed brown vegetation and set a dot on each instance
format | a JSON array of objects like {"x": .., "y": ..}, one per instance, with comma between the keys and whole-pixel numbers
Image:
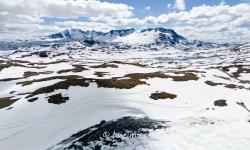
[
  {"x": 10, "y": 79},
  {"x": 231, "y": 86},
  {"x": 26, "y": 93},
  {"x": 3, "y": 66},
  {"x": 13, "y": 64},
  {"x": 240, "y": 69},
  {"x": 162, "y": 95},
  {"x": 134, "y": 79},
  {"x": 65, "y": 71},
  {"x": 70, "y": 81},
  {"x": 6, "y": 101},
  {"x": 57, "y": 99},
  {"x": 126, "y": 63},
  {"x": 32, "y": 99},
  {"x": 100, "y": 74},
  {"x": 9, "y": 64},
  {"x": 20, "y": 61},
  {"x": 220, "y": 103},
  {"x": 30, "y": 73},
  {"x": 189, "y": 71},
  {"x": 28, "y": 82},
  {"x": 11, "y": 92},
  {"x": 77, "y": 68},
  {"x": 211, "y": 83},
  {"x": 49, "y": 63},
  {"x": 119, "y": 83},
  {"x": 105, "y": 65},
  {"x": 186, "y": 77}
]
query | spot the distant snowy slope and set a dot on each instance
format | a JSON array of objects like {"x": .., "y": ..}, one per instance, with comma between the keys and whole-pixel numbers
[
  {"x": 114, "y": 34},
  {"x": 147, "y": 37},
  {"x": 156, "y": 38},
  {"x": 153, "y": 36},
  {"x": 75, "y": 34}
]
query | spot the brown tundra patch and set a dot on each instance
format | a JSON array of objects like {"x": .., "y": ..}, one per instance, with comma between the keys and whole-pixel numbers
[
  {"x": 220, "y": 103},
  {"x": 162, "y": 95},
  {"x": 57, "y": 99},
  {"x": 6, "y": 101}
]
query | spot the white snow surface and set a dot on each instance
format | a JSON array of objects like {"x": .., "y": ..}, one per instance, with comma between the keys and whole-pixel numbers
[
  {"x": 138, "y": 38},
  {"x": 39, "y": 125}
]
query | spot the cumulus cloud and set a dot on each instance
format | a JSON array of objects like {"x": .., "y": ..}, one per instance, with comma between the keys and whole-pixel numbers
[
  {"x": 16, "y": 14},
  {"x": 208, "y": 22},
  {"x": 85, "y": 25},
  {"x": 180, "y": 4},
  {"x": 221, "y": 22},
  {"x": 66, "y": 9},
  {"x": 24, "y": 31},
  {"x": 12, "y": 31}
]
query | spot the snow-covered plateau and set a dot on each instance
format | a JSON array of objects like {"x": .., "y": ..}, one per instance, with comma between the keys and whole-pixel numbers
[{"x": 153, "y": 88}]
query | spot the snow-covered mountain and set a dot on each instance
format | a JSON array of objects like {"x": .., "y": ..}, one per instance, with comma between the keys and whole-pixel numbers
[
  {"x": 153, "y": 38},
  {"x": 114, "y": 34},
  {"x": 147, "y": 37},
  {"x": 79, "y": 34},
  {"x": 75, "y": 34}
]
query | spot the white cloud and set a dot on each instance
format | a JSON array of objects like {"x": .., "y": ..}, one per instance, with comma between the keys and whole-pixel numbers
[
  {"x": 85, "y": 25},
  {"x": 169, "y": 6},
  {"x": 15, "y": 14},
  {"x": 24, "y": 31},
  {"x": 147, "y": 8},
  {"x": 66, "y": 9},
  {"x": 12, "y": 31},
  {"x": 222, "y": 22},
  {"x": 208, "y": 22},
  {"x": 222, "y": 2},
  {"x": 180, "y": 4}
]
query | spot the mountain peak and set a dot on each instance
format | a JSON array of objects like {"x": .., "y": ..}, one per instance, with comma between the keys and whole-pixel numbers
[
  {"x": 147, "y": 37},
  {"x": 121, "y": 32},
  {"x": 159, "y": 29}
]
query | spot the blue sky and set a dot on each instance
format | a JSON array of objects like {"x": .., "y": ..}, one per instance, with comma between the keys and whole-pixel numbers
[
  {"x": 157, "y": 7},
  {"x": 160, "y": 6},
  {"x": 209, "y": 20}
]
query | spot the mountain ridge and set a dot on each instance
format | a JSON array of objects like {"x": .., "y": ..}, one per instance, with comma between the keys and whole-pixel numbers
[
  {"x": 146, "y": 37},
  {"x": 156, "y": 38}
]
